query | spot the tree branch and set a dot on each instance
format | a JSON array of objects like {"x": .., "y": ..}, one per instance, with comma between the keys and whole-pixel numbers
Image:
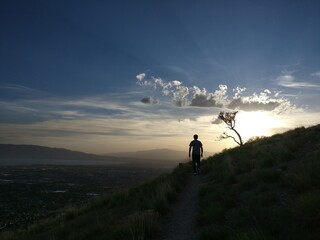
[
  {"x": 225, "y": 136},
  {"x": 229, "y": 118}
]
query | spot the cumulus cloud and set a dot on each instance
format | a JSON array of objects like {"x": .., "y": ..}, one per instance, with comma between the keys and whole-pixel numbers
[
  {"x": 202, "y": 98},
  {"x": 264, "y": 101},
  {"x": 238, "y": 91},
  {"x": 204, "y": 101},
  {"x": 240, "y": 103},
  {"x": 183, "y": 96},
  {"x": 289, "y": 81},
  {"x": 141, "y": 76}
]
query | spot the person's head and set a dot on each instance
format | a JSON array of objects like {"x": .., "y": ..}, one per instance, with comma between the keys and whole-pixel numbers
[{"x": 195, "y": 137}]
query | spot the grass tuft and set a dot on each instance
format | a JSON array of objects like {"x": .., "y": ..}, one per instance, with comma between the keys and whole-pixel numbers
[{"x": 139, "y": 226}]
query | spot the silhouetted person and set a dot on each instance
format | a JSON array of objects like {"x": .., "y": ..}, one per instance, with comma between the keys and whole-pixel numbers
[{"x": 197, "y": 153}]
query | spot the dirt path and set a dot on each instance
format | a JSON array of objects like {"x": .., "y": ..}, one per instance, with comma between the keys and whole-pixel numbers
[{"x": 181, "y": 224}]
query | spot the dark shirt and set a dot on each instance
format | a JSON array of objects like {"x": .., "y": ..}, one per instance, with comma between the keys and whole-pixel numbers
[{"x": 196, "y": 146}]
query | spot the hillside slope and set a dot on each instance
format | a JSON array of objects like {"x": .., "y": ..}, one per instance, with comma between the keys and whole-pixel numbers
[{"x": 266, "y": 189}]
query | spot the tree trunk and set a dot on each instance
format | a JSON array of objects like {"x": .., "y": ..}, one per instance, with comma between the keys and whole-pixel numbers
[{"x": 241, "y": 143}]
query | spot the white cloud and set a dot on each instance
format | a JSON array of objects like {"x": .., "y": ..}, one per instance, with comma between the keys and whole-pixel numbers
[
  {"x": 202, "y": 98},
  {"x": 141, "y": 76},
  {"x": 182, "y": 95},
  {"x": 289, "y": 81},
  {"x": 238, "y": 91},
  {"x": 264, "y": 101}
]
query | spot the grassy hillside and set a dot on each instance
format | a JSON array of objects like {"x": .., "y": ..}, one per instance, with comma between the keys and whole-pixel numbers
[{"x": 267, "y": 189}]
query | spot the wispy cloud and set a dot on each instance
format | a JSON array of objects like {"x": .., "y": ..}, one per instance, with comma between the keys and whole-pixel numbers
[
  {"x": 16, "y": 87},
  {"x": 289, "y": 81},
  {"x": 96, "y": 134},
  {"x": 20, "y": 91},
  {"x": 94, "y": 124},
  {"x": 16, "y": 107},
  {"x": 184, "y": 96},
  {"x": 43, "y": 109},
  {"x": 316, "y": 74}
]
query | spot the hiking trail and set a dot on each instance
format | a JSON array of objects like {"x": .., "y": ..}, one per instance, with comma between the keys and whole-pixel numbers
[{"x": 181, "y": 222}]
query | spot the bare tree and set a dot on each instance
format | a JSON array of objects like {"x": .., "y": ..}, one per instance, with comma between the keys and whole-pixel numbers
[{"x": 230, "y": 119}]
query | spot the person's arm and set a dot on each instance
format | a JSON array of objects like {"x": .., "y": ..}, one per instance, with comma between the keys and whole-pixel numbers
[
  {"x": 201, "y": 148},
  {"x": 189, "y": 150}
]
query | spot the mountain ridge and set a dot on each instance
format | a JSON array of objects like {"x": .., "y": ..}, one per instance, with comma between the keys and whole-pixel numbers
[
  {"x": 13, "y": 154},
  {"x": 155, "y": 154}
]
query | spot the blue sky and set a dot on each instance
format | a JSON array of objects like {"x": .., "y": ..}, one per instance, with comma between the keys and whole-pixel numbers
[{"x": 109, "y": 76}]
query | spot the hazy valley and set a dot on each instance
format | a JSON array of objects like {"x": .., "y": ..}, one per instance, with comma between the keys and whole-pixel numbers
[{"x": 38, "y": 182}]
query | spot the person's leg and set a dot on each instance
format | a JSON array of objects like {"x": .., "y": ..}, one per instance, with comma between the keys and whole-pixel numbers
[
  {"x": 194, "y": 163},
  {"x": 198, "y": 164}
]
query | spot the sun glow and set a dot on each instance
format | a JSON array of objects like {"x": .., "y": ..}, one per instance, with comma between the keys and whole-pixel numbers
[{"x": 252, "y": 124}]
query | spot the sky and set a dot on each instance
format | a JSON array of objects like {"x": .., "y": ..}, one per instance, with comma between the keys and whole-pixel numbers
[{"x": 120, "y": 75}]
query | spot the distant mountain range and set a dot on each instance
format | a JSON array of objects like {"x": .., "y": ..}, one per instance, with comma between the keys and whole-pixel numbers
[
  {"x": 11, "y": 154},
  {"x": 40, "y": 152},
  {"x": 158, "y": 154},
  {"x": 155, "y": 154}
]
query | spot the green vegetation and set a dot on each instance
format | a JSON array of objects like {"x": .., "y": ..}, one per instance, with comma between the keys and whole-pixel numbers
[
  {"x": 128, "y": 214},
  {"x": 269, "y": 188}
]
